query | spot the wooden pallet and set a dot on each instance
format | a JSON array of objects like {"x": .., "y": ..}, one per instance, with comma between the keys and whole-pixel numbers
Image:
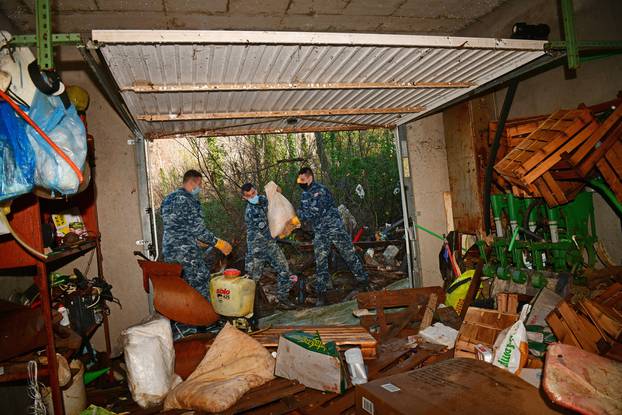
[
  {"x": 611, "y": 297},
  {"x": 610, "y": 167},
  {"x": 344, "y": 336},
  {"x": 561, "y": 133},
  {"x": 583, "y": 159},
  {"x": 515, "y": 130},
  {"x": 573, "y": 328},
  {"x": 384, "y": 320},
  {"x": 507, "y": 303},
  {"x": 481, "y": 326}
]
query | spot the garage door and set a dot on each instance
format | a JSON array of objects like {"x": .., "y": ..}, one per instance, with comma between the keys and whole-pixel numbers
[{"x": 200, "y": 83}]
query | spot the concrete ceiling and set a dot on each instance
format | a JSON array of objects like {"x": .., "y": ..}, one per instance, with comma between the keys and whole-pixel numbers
[{"x": 386, "y": 16}]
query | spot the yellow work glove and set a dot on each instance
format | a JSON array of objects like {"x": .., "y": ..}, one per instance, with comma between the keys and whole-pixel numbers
[
  {"x": 295, "y": 221},
  {"x": 223, "y": 246}
]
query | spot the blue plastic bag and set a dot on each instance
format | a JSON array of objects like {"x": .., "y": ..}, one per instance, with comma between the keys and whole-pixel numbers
[
  {"x": 66, "y": 129},
  {"x": 17, "y": 159}
]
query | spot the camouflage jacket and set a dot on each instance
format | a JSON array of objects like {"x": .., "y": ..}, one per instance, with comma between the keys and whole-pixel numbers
[
  {"x": 317, "y": 206},
  {"x": 183, "y": 221},
  {"x": 256, "y": 218}
]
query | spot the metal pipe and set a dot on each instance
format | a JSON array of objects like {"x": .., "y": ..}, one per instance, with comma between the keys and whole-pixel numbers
[
  {"x": 415, "y": 280},
  {"x": 492, "y": 157},
  {"x": 605, "y": 191}
]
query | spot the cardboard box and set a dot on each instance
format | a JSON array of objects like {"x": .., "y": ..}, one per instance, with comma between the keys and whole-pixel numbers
[
  {"x": 68, "y": 221},
  {"x": 304, "y": 357},
  {"x": 457, "y": 386}
]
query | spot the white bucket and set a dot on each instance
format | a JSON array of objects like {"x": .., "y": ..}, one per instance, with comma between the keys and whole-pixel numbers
[{"x": 74, "y": 393}]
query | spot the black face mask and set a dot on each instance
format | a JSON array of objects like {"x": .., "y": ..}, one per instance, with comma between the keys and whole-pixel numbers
[{"x": 304, "y": 186}]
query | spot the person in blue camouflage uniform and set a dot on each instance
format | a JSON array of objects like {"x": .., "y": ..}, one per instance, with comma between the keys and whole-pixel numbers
[
  {"x": 261, "y": 247},
  {"x": 184, "y": 230},
  {"x": 317, "y": 207}
]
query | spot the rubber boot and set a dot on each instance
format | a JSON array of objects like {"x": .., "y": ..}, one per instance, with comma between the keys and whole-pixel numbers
[
  {"x": 321, "y": 300},
  {"x": 358, "y": 288},
  {"x": 284, "y": 303}
]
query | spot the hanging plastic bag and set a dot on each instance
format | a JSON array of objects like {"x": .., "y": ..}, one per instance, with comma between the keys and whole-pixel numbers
[
  {"x": 17, "y": 162},
  {"x": 64, "y": 127},
  {"x": 282, "y": 218},
  {"x": 511, "y": 347}
]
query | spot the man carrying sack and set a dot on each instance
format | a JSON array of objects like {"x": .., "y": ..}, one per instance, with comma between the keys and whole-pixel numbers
[{"x": 262, "y": 247}]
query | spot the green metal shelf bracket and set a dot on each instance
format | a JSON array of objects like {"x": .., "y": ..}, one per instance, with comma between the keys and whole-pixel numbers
[
  {"x": 44, "y": 39},
  {"x": 578, "y": 51}
]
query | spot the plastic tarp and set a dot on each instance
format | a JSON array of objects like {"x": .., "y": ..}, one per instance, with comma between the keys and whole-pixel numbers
[{"x": 17, "y": 158}]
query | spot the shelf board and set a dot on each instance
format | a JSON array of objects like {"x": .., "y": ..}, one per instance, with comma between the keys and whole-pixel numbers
[{"x": 82, "y": 247}]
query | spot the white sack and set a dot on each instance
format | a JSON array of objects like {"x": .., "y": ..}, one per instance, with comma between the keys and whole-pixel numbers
[
  {"x": 511, "y": 348},
  {"x": 150, "y": 360},
  {"x": 234, "y": 364},
  {"x": 280, "y": 210}
]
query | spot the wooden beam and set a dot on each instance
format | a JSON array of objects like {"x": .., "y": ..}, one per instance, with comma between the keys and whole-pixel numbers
[
  {"x": 279, "y": 114},
  {"x": 258, "y": 131},
  {"x": 146, "y": 87}
]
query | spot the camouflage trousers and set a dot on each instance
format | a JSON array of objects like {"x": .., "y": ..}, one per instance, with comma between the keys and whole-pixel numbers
[
  {"x": 263, "y": 251},
  {"x": 195, "y": 270},
  {"x": 322, "y": 243}
]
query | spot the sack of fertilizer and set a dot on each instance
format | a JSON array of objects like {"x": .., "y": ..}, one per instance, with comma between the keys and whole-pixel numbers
[
  {"x": 511, "y": 347},
  {"x": 282, "y": 218}
]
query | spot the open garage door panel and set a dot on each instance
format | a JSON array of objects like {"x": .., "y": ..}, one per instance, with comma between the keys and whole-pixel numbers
[{"x": 209, "y": 83}]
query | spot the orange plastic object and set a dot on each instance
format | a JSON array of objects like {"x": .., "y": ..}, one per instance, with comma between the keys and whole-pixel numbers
[
  {"x": 231, "y": 272},
  {"x": 176, "y": 300}
]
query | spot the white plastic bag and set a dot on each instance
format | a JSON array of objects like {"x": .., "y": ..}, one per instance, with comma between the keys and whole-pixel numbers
[
  {"x": 511, "y": 348},
  {"x": 280, "y": 211},
  {"x": 150, "y": 360},
  {"x": 64, "y": 127}
]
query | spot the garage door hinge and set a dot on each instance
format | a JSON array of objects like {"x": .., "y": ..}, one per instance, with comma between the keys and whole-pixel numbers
[{"x": 131, "y": 142}]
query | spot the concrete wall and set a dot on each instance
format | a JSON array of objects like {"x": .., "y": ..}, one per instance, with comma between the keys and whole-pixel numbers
[
  {"x": 117, "y": 200},
  {"x": 595, "y": 81},
  {"x": 430, "y": 182}
]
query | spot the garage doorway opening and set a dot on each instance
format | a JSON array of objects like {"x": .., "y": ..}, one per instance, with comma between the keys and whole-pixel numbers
[{"x": 359, "y": 168}]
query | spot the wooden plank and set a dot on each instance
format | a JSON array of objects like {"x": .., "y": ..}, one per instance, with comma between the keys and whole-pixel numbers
[
  {"x": 586, "y": 333},
  {"x": 605, "y": 320},
  {"x": 343, "y": 336},
  {"x": 602, "y": 131},
  {"x": 561, "y": 330},
  {"x": 598, "y": 153},
  {"x": 409, "y": 316},
  {"x": 399, "y": 298},
  {"x": 554, "y": 157},
  {"x": 610, "y": 176},
  {"x": 245, "y": 129},
  {"x": 430, "y": 308},
  {"x": 473, "y": 288},
  {"x": 277, "y": 114},
  {"x": 274, "y": 390}
]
